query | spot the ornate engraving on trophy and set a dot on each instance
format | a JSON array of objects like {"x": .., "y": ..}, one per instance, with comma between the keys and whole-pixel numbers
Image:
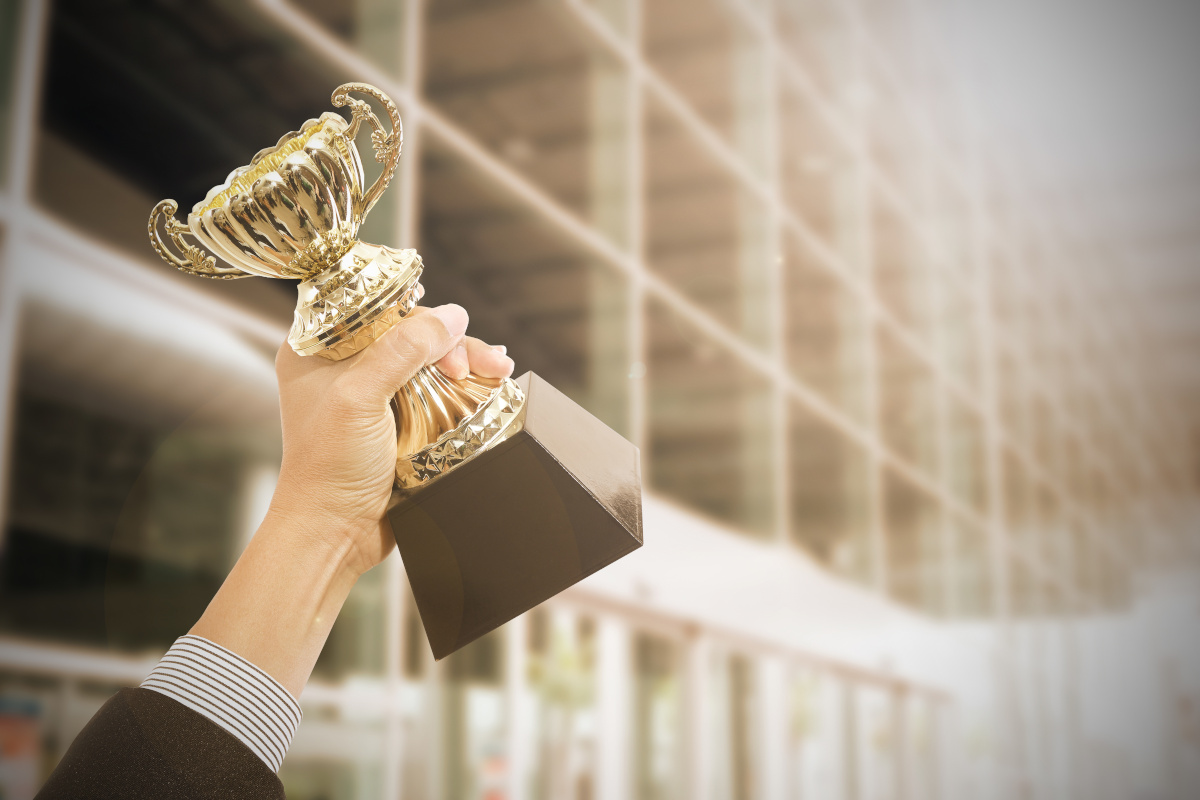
[
  {"x": 294, "y": 212},
  {"x": 535, "y": 493}
]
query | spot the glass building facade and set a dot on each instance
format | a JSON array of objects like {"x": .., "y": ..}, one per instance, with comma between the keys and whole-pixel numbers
[{"x": 765, "y": 240}]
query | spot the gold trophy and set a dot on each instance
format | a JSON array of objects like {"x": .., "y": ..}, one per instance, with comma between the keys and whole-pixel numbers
[{"x": 564, "y": 491}]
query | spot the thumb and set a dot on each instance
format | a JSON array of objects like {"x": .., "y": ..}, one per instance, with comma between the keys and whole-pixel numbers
[{"x": 416, "y": 341}]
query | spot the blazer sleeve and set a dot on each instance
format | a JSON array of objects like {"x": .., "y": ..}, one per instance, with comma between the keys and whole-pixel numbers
[{"x": 143, "y": 744}]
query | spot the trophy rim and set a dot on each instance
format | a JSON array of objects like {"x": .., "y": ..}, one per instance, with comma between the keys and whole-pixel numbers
[{"x": 266, "y": 161}]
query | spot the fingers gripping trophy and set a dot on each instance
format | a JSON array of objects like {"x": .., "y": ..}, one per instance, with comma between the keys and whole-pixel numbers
[{"x": 506, "y": 492}]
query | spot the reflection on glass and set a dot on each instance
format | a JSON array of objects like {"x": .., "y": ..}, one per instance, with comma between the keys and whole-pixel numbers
[
  {"x": 816, "y": 34},
  {"x": 1075, "y": 468},
  {"x": 970, "y": 572},
  {"x": 897, "y": 150},
  {"x": 559, "y": 705},
  {"x": 901, "y": 271},
  {"x": 1019, "y": 499},
  {"x": 1053, "y": 545},
  {"x": 896, "y": 33},
  {"x": 818, "y": 174},
  {"x": 949, "y": 216},
  {"x": 373, "y": 28},
  {"x": 829, "y": 494},
  {"x": 1012, "y": 398},
  {"x": 709, "y": 428},
  {"x": 541, "y": 96},
  {"x": 526, "y": 286},
  {"x": 1098, "y": 577},
  {"x": 657, "y": 718},
  {"x": 620, "y": 14},
  {"x": 916, "y": 545},
  {"x": 958, "y": 316},
  {"x": 907, "y": 403},
  {"x": 1043, "y": 509},
  {"x": 475, "y": 763},
  {"x": 1026, "y": 590},
  {"x": 183, "y": 78},
  {"x": 130, "y": 488},
  {"x": 706, "y": 233},
  {"x": 964, "y": 467},
  {"x": 826, "y": 329},
  {"x": 9, "y": 18},
  {"x": 701, "y": 48}
]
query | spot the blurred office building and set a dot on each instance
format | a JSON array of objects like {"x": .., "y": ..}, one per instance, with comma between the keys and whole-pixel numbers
[{"x": 917, "y": 409}]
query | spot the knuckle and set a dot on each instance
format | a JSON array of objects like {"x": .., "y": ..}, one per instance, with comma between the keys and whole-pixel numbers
[
  {"x": 410, "y": 346},
  {"x": 417, "y": 340}
]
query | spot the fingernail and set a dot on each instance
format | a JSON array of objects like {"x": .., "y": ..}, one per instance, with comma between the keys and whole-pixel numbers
[
  {"x": 453, "y": 317},
  {"x": 420, "y": 291},
  {"x": 499, "y": 348}
]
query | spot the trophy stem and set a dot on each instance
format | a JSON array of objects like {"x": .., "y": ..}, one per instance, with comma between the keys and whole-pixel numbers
[
  {"x": 442, "y": 423},
  {"x": 345, "y": 307},
  {"x": 431, "y": 405}
]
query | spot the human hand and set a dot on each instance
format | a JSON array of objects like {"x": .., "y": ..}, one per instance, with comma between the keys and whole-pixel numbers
[{"x": 339, "y": 431}]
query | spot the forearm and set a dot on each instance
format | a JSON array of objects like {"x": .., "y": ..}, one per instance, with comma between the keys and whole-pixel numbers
[{"x": 278, "y": 604}]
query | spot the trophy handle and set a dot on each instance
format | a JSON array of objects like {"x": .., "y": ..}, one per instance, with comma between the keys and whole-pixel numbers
[
  {"x": 387, "y": 145},
  {"x": 194, "y": 261}
]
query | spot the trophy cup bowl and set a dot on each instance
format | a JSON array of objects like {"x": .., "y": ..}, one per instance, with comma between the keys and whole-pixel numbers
[
  {"x": 563, "y": 490},
  {"x": 296, "y": 206}
]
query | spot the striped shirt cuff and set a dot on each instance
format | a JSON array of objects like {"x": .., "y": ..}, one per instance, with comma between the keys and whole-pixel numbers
[{"x": 230, "y": 691}]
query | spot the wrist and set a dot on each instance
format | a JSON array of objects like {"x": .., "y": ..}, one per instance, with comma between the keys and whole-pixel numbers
[
  {"x": 280, "y": 600},
  {"x": 316, "y": 539}
]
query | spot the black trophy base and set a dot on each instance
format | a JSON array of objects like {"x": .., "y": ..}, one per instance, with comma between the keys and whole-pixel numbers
[{"x": 521, "y": 522}]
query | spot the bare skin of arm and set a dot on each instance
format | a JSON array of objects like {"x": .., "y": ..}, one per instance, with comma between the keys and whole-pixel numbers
[{"x": 326, "y": 524}]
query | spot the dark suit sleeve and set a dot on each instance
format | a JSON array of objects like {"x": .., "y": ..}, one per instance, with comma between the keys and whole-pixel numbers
[{"x": 142, "y": 744}]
